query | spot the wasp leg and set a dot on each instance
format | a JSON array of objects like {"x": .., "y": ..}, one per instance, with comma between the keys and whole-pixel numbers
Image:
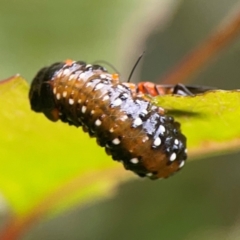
[{"x": 182, "y": 90}]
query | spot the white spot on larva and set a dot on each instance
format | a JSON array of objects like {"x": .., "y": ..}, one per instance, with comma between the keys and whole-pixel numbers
[
  {"x": 59, "y": 74},
  {"x": 105, "y": 98},
  {"x": 173, "y": 157},
  {"x": 145, "y": 139},
  {"x": 111, "y": 130},
  {"x": 137, "y": 122},
  {"x": 162, "y": 129},
  {"x": 58, "y": 96},
  {"x": 92, "y": 112},
  {"x": 124, "y": 118},
  {"x": 55, "y": 90},
  {"x": 176, "y": 141},
  {"x": 71, "y": 77},
  {"x": 185, "y": 150},
  {"x": 84, "y": 109},
  {"x": 88, "y": 84},
  {"x": 149, "y": 174},
  {"x": 134, "y": 160},
  {"x": 157, "y": 141},
  {"x": 117, "y": 102},
  {"x": 120, "y": 87},
  {"x": 64, "y": 94},
  {"x": 109, "y": 77},
  {"x": 107, "y": 146},
  {"x": 181, "y": 164},
  {"x": 126, "y": 95},
  {"x": 99, "y": 86},
  {"x": 103, "y": 76},
  {"x": 98, "y": 122},
  {"x": 116, "y": 141},
  {"x": 66, "y": 72},
  {"x": 79, "y": 100},
  {"x": 88, "y": 65},
  {"x": 71, "y": 101},
  {"x": 85, "y": 75},
  {"x": 145, "y": 112}
]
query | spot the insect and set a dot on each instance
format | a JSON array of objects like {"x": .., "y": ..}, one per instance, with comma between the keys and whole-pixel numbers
[
  {"x": 158, "y": 90},
  {"x": 130, "y": 128}
]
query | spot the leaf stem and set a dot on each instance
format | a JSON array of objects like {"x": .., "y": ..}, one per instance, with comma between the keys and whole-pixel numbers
[
  {"x": 202, "y": 54},
  {"x": 18, "y": 225}
]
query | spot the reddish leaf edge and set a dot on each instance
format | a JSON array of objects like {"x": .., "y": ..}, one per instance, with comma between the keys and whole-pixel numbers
[
  {"x": 18, "y": 225},
  {"x": 10, "y": 79},
  {"x": 222, "y": 36}
]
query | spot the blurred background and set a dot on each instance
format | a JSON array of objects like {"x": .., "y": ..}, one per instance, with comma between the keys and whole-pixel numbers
[{"x": 201, "y": 202}]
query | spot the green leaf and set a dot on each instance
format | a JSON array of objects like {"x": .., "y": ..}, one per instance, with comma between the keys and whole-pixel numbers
[{"x": 38, "y": 156}]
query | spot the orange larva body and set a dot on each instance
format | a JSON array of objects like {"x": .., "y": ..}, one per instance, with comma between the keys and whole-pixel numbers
[{"x": 132, "y": 130}]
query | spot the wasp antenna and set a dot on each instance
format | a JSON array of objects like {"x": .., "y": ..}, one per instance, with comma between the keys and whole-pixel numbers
[{"x": 134, "y": 67}]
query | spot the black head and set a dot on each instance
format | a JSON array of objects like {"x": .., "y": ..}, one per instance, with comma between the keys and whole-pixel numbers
[{"x": 41, "y": 94}]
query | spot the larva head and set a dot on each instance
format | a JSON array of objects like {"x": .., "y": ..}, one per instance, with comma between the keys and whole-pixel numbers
[{"x": 41, "y": 94}]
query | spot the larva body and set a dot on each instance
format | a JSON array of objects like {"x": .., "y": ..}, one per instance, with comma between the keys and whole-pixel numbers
[{"x": 132, "y": 130}]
